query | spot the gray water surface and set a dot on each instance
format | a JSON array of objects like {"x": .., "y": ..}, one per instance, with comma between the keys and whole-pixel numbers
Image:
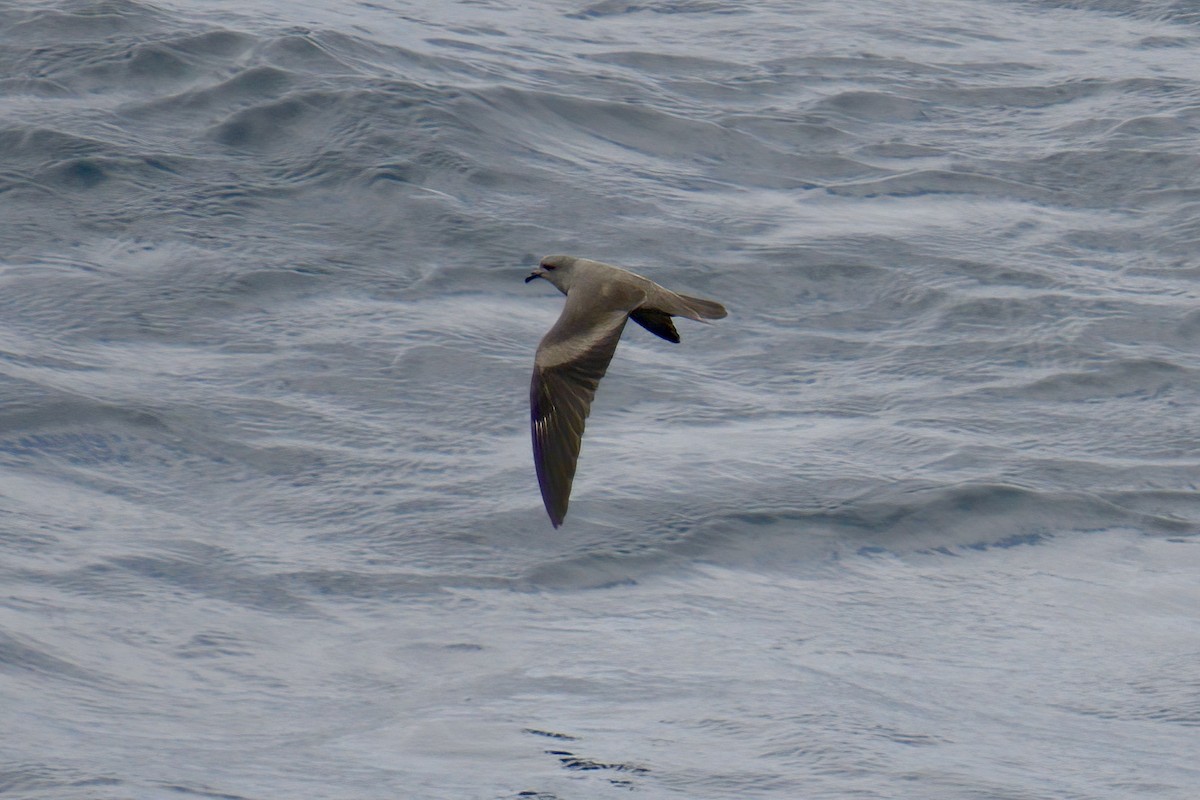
[{"x": 918, "y": 520}]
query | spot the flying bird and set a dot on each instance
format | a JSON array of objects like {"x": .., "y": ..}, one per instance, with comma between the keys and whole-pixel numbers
[{"x": 574, "y": 354}]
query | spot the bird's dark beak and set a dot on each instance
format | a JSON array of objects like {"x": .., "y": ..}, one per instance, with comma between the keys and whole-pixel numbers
[{"x": 537, "y": 273}]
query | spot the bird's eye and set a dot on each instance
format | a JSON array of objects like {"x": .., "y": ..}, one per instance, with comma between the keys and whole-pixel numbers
[{"x": 548, "y": 266}]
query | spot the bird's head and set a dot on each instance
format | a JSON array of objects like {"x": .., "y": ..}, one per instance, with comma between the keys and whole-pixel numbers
[{"x": 556, "y": 269}]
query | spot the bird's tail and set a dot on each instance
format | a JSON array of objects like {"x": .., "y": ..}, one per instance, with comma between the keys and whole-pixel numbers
[{"x": 703, "y": 309}]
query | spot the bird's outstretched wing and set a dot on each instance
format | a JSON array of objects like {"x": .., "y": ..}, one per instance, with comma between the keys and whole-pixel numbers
[
  {"x": 657, "y": 322},
  {"x": 560, "y": 397}
]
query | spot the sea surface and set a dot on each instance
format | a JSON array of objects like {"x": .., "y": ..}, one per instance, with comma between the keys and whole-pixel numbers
[{"x": 919, "y": 519}]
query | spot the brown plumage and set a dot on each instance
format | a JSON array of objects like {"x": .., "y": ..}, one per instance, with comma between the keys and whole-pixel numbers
[{"x": 573, "y": 356}]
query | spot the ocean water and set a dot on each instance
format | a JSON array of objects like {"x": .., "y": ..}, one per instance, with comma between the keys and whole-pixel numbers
[{"x": 917, "y": 520}]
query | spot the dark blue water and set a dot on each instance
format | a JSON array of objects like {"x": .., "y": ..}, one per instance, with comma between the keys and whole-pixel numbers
[{"x": 917, "y": 520}]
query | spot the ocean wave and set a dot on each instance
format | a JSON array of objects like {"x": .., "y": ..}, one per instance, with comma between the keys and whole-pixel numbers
[{"x": 265, "y": 354}]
